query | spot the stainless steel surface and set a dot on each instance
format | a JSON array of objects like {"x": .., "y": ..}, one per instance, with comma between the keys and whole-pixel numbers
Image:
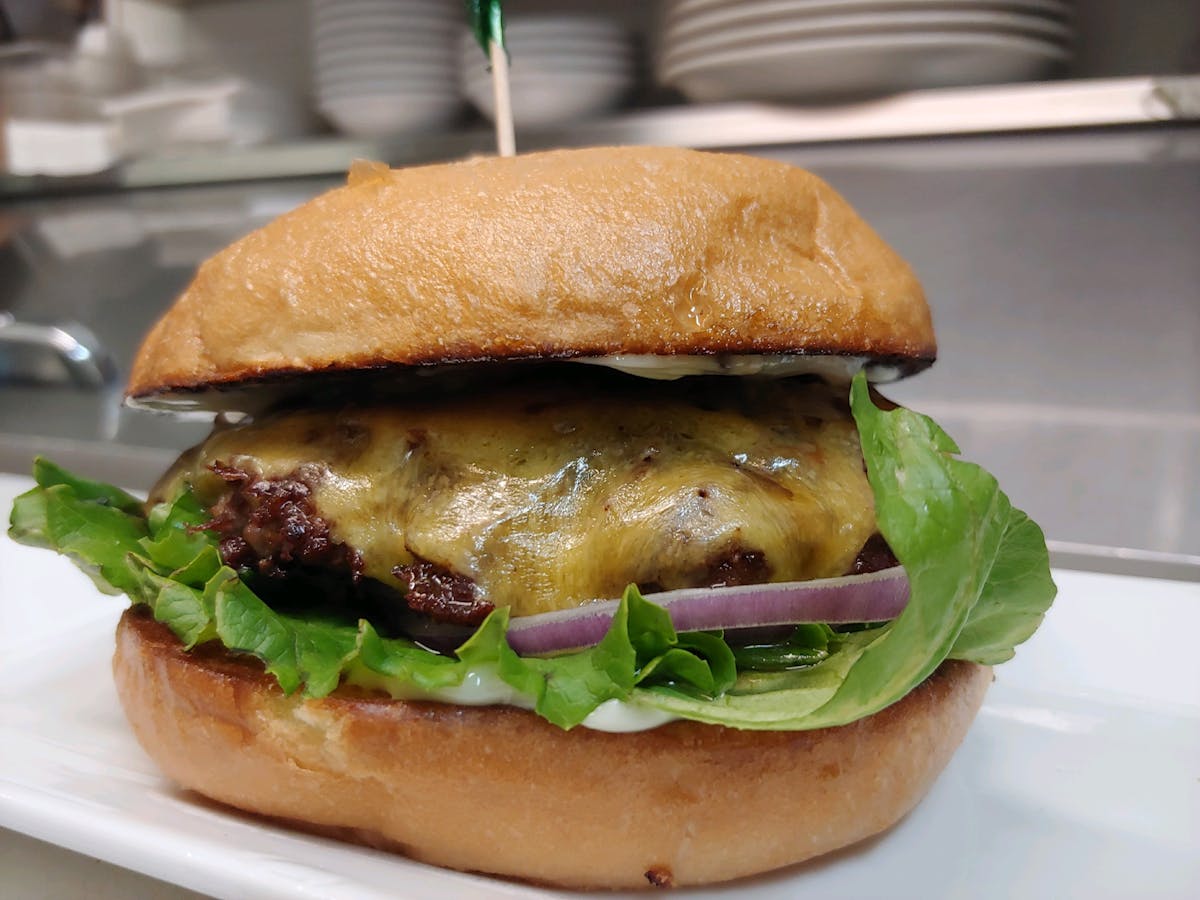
[
  {"x": 1124, "y": 561},
  {"x": 1066, "y": 298},
  {"x": 1061, "y": 269}
]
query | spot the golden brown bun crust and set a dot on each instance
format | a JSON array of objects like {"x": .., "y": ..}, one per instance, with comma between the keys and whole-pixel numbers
[
  {"x": 545, "y": 255},
  {"x": 498, "y": 790}
]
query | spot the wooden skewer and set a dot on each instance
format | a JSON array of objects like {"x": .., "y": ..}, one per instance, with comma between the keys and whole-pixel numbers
[{"x": 506, "y": 142}]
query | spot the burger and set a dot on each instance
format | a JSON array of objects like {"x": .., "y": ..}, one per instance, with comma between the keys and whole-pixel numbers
[{"x": 552, "y": 527}]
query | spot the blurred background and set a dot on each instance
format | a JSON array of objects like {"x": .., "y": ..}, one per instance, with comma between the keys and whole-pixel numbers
[{"x": 1038, "y": 161}]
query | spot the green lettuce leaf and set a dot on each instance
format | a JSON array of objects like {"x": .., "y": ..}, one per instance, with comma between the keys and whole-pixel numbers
[
  {"x": 1014, "y": 599},
  {"x": 47, "y": 474},
  {"x": 98, "y": 537},
  {"x": 978, "y": 572},
  {"x": 807, "y": 645},
  {"x": 773, "y": 701},
  {"x": 167, "y": 561}
]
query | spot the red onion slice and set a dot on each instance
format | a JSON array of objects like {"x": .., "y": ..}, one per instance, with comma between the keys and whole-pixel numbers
[{"x": 874, "y": 597}]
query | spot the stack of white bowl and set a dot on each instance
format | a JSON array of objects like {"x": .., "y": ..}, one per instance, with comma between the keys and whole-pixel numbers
[
  {"x": 715, "y": 50},
  {"x": 563, "y": 67},
  {"x": 385, "y": 66}
]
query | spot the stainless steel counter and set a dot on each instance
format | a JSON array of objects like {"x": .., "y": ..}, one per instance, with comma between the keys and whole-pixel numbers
[{"x": 1062, "y": 270}]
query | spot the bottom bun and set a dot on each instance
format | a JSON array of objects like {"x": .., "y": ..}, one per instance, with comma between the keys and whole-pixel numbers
[{"x": 499, "y": 790}]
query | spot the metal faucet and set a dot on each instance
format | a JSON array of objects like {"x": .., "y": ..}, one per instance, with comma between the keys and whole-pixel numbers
[{"x": 27, "y": 347}]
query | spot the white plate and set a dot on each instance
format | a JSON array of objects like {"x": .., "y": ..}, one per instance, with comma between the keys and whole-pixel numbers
[
  {"x": 554, "y": 26},
  {"x": 394, "y": 90},
  {"x": 434, "y": 73},
  {"x": 862, "y": 65},
  {"x": 436, "y": 56},
  {"x": 534, "y": 45},
  {"x": 438, "y": 79},
  {"x": 571, "y": 79},
  {"x": 598, "y": 68},
  {"x": 680, "y": 10},
  {"x": 540, "y": 99},
  {"x": 365, "y": 95},
  {"x": 750, "y": 35},
  {"x": 1078, "y": 780},
  {"x": 393, "y": 27},
  {"x": 341, "y": 8}
]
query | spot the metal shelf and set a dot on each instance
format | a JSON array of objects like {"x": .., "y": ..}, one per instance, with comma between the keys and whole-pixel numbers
[{"x": 999, "y": 109}]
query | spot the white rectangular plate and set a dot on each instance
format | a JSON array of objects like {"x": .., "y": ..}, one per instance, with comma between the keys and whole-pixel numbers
[{"x": 1081, "y": 777}]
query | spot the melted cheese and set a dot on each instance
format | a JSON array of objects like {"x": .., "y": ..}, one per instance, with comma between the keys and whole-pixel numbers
[{"x": 549, "y": 497}]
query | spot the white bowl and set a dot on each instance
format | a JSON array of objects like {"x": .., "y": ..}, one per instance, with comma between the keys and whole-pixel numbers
[
  {"x": 386, "y": 88},
  {"x": 565, "y": 25},
  {"x": 396, "y": 69},
  {"x": 379, "y": 26},
  {"x": 530, "y": 69},
  {"x": 431, "y": 66},
  {"x": 331, "y": 9},
  {"x": 426, "y": 48},
  {"x": 862, "y": 66},
  {"x": 607, "y": 63},
  {"x": 470, "y": 55},
  {"x": 347, "y": 66},
  {"x": 538, "y": 101},
  {"x": 388, "y": 83},
  {"x": 521, "y": 42},
  {"x": 379, "y": 116},
  {"x": 552, "y": 63},
  {"x": 752, "y": 35}
]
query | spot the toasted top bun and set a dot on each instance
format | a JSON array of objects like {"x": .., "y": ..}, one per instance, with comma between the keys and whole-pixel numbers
[
  {"x": 496, "y": 789},
  {"x": 548, "y": 255}
]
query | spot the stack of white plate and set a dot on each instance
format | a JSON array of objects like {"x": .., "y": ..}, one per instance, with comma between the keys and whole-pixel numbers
[
  {"x": 714, "y": 50},
  {"x": 562, "y": 67},
  {"x": 385, "y": 66}
]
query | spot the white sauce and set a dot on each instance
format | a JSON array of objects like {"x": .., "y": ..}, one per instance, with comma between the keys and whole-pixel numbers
[
  {"x": 770, "y": 365},
  {"x": 833, "y": 368},
  {"x": 483, "y": 687}
]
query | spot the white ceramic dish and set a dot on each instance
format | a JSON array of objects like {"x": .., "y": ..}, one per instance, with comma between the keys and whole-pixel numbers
[
  {"x": 563, "y": 68},
  {"x": 863, "y": 65},
  {"x": 616, "y": 50},
  {"x": 352, "y": 29},
  {"x": 679, "y": 10},
  {"x": 370, "y": 115},
  {"x": 750, "y": 35},
  {"x": 402, "y": 79},
  {"x": 391, "y": 81},
  {"x": 340, "y": 8},
  {"x": 564, "y": 25},
  {"x": 380, "y": 112},
  {"x": 428, "y": 74},
  {"x": 532, "y": 66},
  {"x": 540, "y": 100},
  {"x": 410, "y": 49},
  {"x": 1079, "y": 779}
]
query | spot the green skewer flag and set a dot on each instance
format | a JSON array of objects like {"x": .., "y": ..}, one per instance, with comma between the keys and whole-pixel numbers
[{"x": 487, "y": 23}]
